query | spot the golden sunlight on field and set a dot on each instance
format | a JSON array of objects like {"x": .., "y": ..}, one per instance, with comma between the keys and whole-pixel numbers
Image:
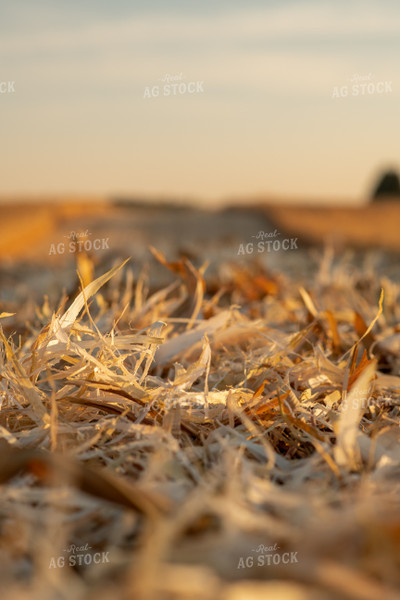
[
  {"x": 25, "y": 227},
  {"x": 186, "y": 422},
  {"x": 375, "y": 224}
]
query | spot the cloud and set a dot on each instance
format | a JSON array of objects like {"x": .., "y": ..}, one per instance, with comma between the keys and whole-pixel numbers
[
  {"x": 281, "y": 50},
  {"x": 304, "y": 22}
]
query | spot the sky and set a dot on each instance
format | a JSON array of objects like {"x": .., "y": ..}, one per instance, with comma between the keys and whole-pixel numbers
[{"x": 260, "y": 107}]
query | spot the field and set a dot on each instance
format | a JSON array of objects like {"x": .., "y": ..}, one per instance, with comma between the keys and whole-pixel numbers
[{"x": 190, "y": 417}]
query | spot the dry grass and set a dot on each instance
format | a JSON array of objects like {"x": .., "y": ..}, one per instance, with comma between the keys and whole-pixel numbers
[{"x": 179, "y": 429}]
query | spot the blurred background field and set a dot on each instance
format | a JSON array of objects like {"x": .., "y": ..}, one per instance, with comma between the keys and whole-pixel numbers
[{"x": 30, "y": 233}]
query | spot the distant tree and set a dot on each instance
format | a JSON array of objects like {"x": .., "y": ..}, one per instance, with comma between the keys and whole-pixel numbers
[{"x": 388, "y": 187}]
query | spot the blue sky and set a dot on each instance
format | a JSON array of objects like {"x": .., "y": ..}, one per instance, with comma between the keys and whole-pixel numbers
[{"x": 266, "y": 123}]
